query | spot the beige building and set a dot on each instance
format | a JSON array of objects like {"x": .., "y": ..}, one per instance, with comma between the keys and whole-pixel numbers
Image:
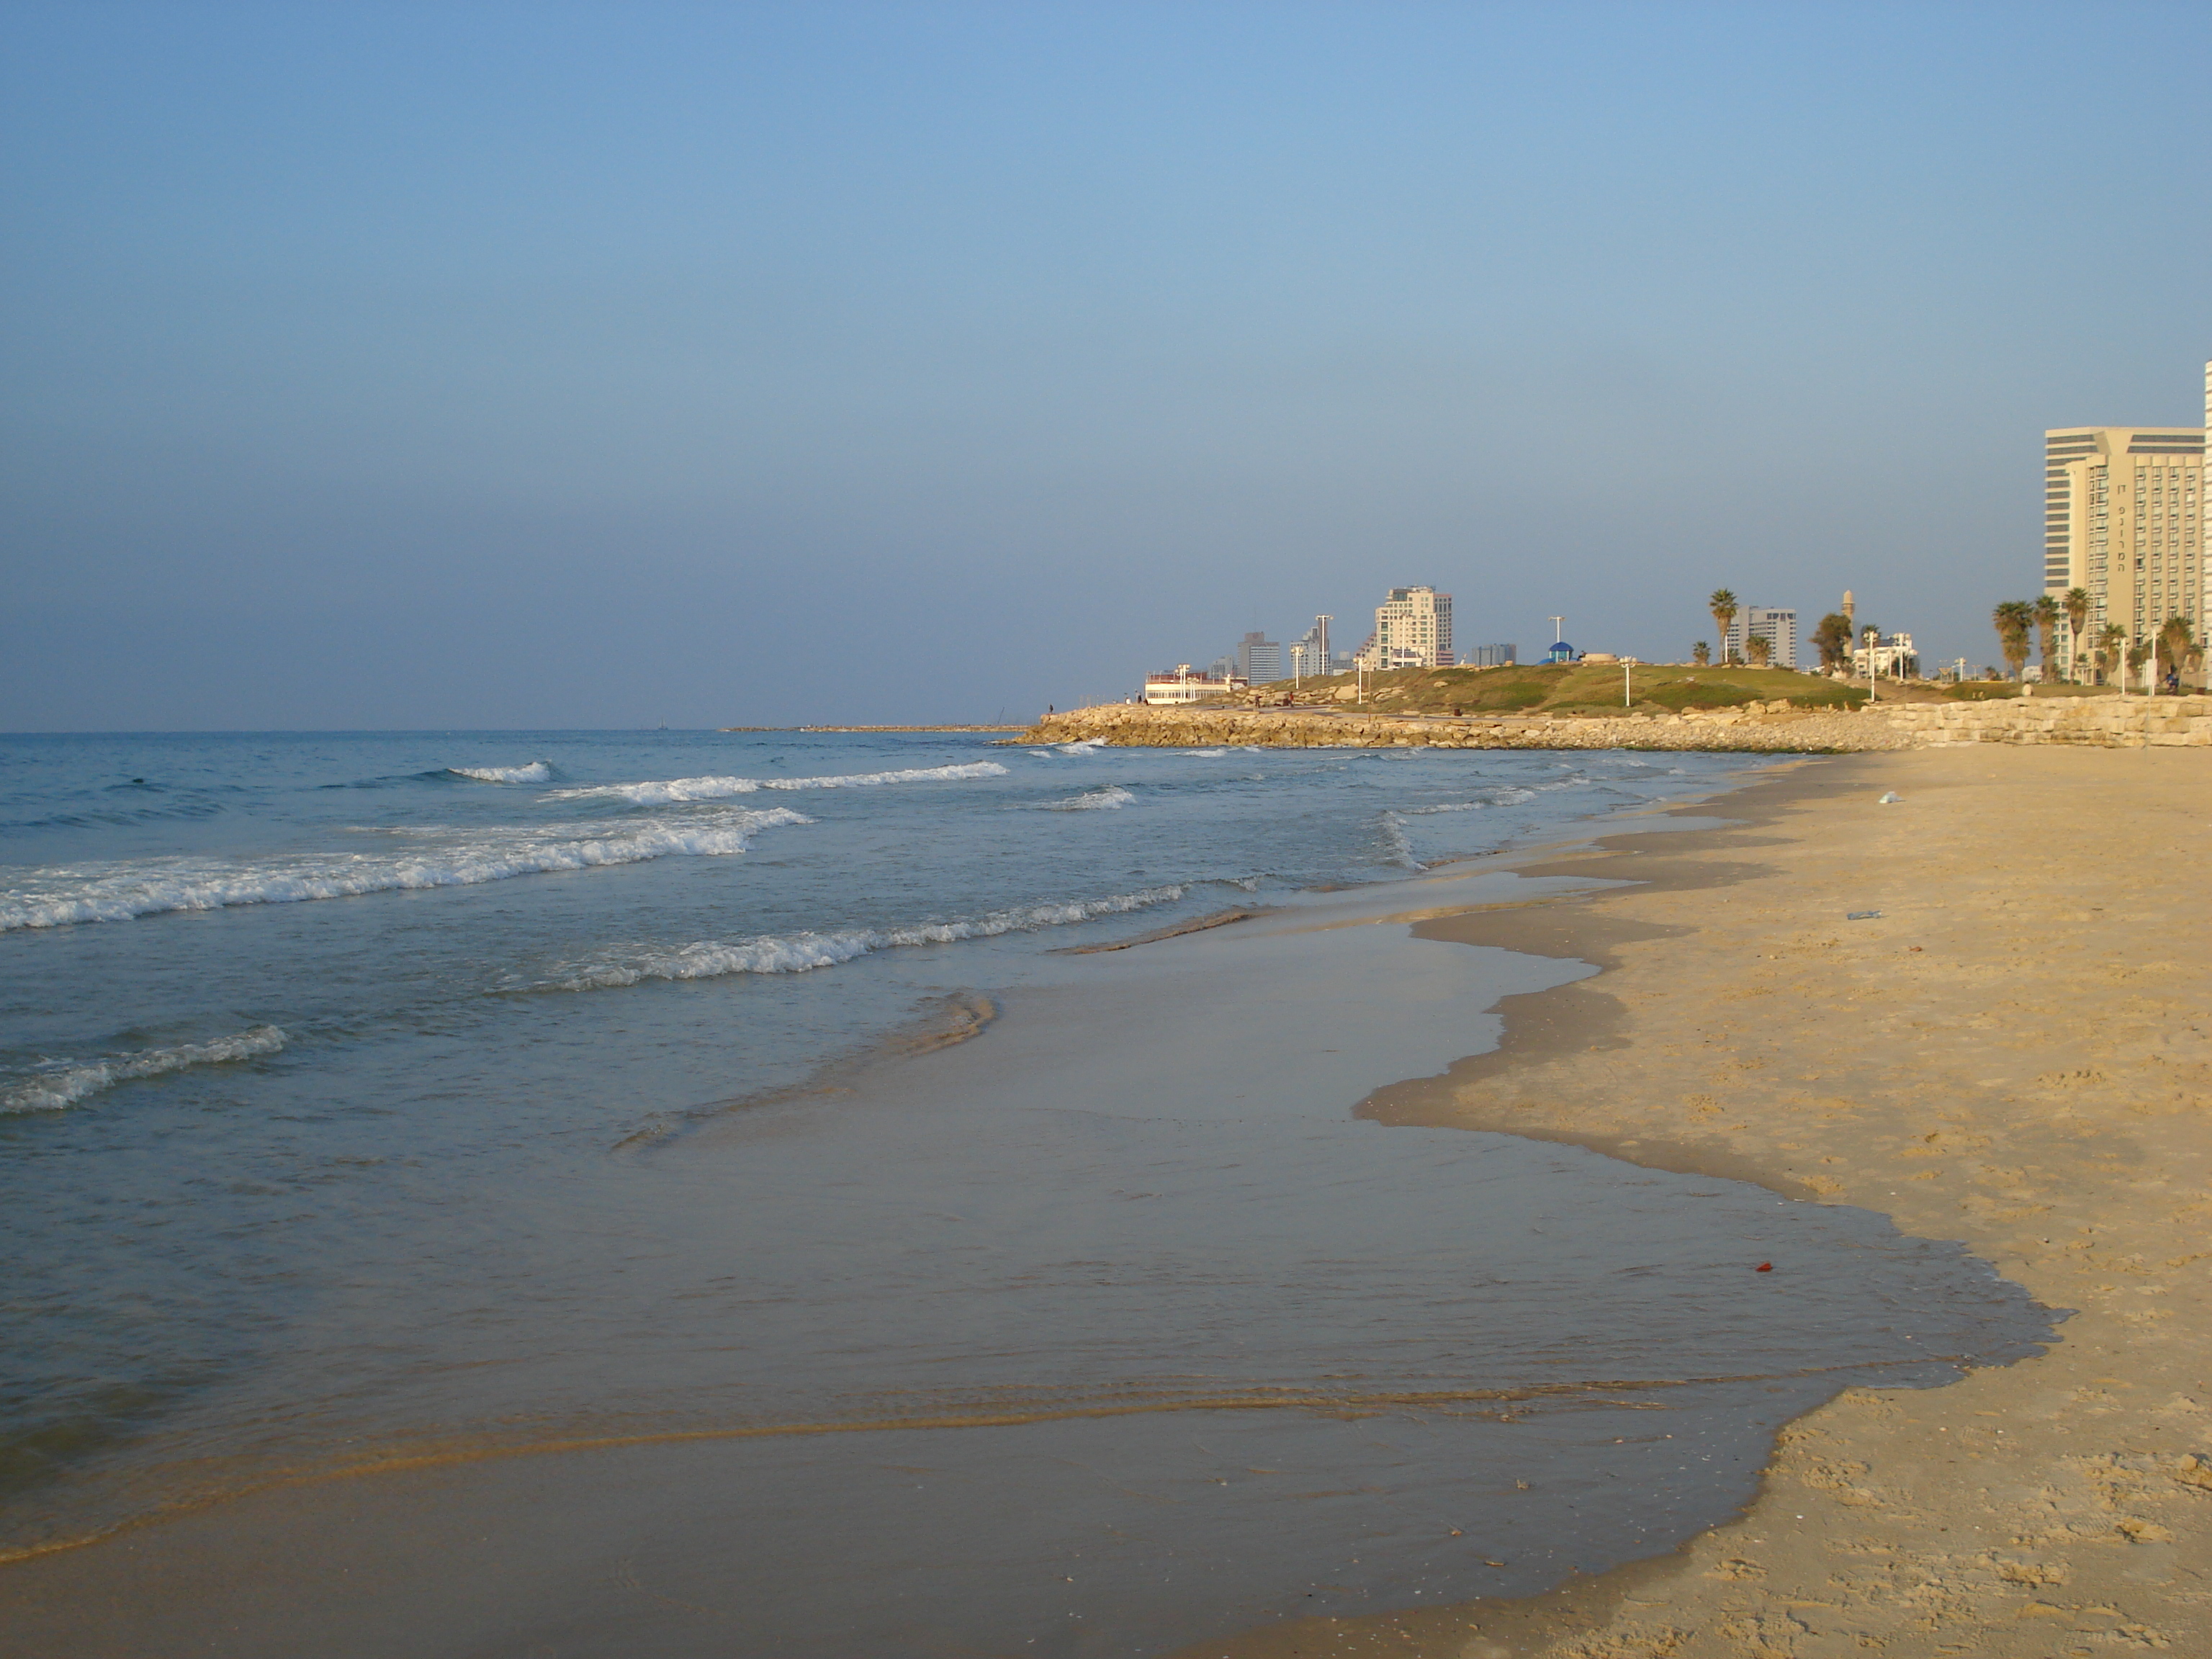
[
  {"x": 1412, "y": 629},
  {"x": 2123, "y": 519}
]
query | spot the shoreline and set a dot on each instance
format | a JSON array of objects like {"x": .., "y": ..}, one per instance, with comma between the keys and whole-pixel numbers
[
  {"x": 1602, "y": 1022},
  {"x": 1942, "y": 1064},
  {"x": 1360, "y": 981}
]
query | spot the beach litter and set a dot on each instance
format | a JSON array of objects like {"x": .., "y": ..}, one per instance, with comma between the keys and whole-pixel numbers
[
  {"x": 1890, "y": 799},
  {"x": 1861, "y": 915}
]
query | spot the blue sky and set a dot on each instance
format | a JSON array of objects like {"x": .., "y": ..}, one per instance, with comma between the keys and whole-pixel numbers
[{"x": 380, "y": 365}]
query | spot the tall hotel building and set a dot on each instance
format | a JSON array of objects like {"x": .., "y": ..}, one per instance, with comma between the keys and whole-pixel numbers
[
  {"x": 2123, "y": 519},
  {"x": 1412, "y": 629}
]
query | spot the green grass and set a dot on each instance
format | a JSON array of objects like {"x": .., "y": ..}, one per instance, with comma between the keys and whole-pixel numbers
[{"x": 1582, "y": 688}]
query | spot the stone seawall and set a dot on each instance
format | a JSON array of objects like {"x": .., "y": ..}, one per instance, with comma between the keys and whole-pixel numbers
[
  {"x": 2097, "y": 722},
  {"x": 1762, "y": 728}
]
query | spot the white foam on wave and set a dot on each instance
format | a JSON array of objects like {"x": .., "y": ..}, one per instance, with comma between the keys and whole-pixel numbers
[
  {"x": 121, "y": 891},
  {"x": 536, "y": 772},
  {"x": 1206, "y": 754},
  {"x": 1400, "y": 850},
  {"x": 64, "y": 1085},
  {"x": 673, "y": 791},
  {"x": 799, "y": 953},
  {"x": 1505, "y": 795},
  {"x": 1110, "y": 799}
]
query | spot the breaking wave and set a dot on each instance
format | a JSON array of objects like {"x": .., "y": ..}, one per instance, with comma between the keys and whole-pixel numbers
[
  {"x": 536, "y": 772},
  {"x": 121, "y": 893},
  {"x": 1092, "y": 800},
  {"x": 64, "y": 1086},
  {"x": 1502, "y": 796},
  {"x": 675, "y": 790},
  {"x": 1397, "y": 849},
  {"x": 799, "y": 953}
]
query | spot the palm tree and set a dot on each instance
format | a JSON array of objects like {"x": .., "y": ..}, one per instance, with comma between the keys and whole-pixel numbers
[
  {"x": 1722, "y": 606},
  {"x": 2076, "y": 602},
  {"x": 2014, "y": 619},
  {"x": 2110, "y": 638},
  {"x": 1701, "y": 654},
  {"x": 2046, "y": 625},
  {"x": 2179, "y": 641},
  {"x": 2138, "y": 658},
  {"x": 1759, "y": 648}
]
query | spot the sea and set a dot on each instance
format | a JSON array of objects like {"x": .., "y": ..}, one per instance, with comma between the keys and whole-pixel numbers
[{"x": 754, "y": 1107}]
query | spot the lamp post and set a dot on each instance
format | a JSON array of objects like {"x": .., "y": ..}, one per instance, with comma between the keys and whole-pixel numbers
[{"x": 1874, "y": 692}]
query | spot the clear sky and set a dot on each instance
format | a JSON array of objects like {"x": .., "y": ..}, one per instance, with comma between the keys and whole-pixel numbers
[{"x": 477, "y": 365}]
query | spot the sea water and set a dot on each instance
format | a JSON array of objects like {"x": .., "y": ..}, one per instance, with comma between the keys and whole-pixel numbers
[{"x": 365, "y": 1094}]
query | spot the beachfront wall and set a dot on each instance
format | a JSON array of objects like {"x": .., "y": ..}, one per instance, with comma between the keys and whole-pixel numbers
[
  {"x": 2097, "y": 722},
  {"x": 1765, "y": 727}
]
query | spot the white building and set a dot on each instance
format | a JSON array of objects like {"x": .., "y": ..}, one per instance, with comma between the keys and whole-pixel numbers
[
  {"x": 1412, "y": 629},
  {"x": 1758, "y": 622},
  {"x": 1186, "y": 685},
  {"x": 1892, "y": 657}
]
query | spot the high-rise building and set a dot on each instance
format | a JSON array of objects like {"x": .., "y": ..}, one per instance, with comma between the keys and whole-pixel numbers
[
  {"x": 1259, "y": 658},
  {"x": 2123, "y": 519},
  {"x": 1412, "y": 629},
  {"x": 1758, "y": 622},
  {"x": 1310, "y": 653}
]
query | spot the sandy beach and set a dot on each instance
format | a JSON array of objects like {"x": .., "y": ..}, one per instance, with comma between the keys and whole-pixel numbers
[
  {"x": 2011, "y": 1051},
  {"x": 2007, "y": 1052}
]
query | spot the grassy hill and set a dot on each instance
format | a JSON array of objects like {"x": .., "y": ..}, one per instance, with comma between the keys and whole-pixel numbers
[{"x": 1570, "y": 688}]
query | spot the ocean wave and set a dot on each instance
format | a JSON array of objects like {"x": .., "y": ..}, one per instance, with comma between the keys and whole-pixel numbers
[
  {"x": 799, "y": 953},
  {"x": 1505, "y": 795},
  {"x": 121, "y": 893},
  {"x": 536, "y": 772},
  {"x": 1110, "y": 799},
  {"x": 1399, "y": 850},
  {"x": 673, "y": 791},
  {"x": 64, "y": 1085},
  {"x": 1206, "y": 754}
]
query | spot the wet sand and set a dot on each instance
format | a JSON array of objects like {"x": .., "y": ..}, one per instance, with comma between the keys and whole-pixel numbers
[{"x": 2013, "y": 1053}]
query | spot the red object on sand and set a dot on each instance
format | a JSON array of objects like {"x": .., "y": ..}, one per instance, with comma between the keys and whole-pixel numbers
[{"x": 1763, "y": 1267}]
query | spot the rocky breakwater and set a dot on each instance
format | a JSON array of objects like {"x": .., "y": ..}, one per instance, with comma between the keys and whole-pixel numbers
[
  {"x": 1763, "y": 727},
  {"x": 2113, "y": 722}
]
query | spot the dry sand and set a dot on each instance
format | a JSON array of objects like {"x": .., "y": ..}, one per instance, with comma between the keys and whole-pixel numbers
[{"x": 2013, "y": 1053}]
